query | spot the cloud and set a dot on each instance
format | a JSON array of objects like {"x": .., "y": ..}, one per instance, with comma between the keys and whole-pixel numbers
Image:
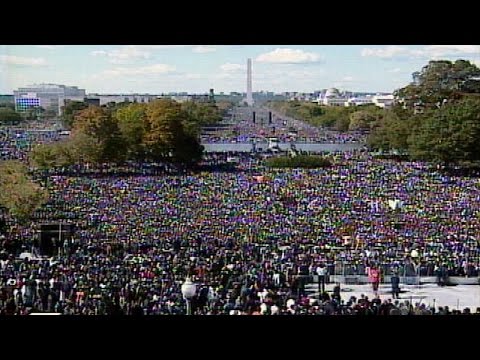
[
  {"x": 229, "y": 67},
  {"x": 430, "y": 51},
  {"x": 22, "y": 61},
  {"x": 124, "y": 54},
  {"x": 387, "y": 52},
  {"x": 49, "y": 47},
  {"x": 98, "y": 53},
  {"x": 156, "y": 69},
  {"x": 288, "y": 56},
  {"x": 394, "y": 71},
  {"x": 348, "y": 78},
  {"x": 442, "y": 50},
  {"x": 202, "y": 49}
]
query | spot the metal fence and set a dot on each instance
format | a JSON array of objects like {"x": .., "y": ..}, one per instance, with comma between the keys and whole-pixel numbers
[{"x": 409, "y": 273}]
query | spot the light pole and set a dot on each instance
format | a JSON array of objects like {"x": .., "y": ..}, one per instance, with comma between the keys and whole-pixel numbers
[{"x": 188, "y": 291}]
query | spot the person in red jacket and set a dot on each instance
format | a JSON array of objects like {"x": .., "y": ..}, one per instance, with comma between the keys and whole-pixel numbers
[{"x": 374, "y": 277}]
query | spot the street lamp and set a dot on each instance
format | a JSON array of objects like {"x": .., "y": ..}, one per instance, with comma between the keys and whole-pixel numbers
[{"x": 188, "y": 291}]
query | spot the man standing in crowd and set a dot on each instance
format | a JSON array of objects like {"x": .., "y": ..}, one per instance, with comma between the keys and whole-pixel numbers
[
  {"x": 321, "y": 272},
  {"x": 395, "y": 281}
]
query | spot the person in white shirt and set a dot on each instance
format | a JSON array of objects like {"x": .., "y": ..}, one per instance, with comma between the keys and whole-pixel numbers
[
  {"x": 274, "y": 310},
  {"x": 322, "y": 273}
]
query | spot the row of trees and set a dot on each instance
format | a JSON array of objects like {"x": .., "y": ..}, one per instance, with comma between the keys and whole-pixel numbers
[
  {"x": 162, "y": 130},
  {"x": 9, "y": 116},
  {"x": 334, "y": 117},
  {"x": 438, "y": 115}
]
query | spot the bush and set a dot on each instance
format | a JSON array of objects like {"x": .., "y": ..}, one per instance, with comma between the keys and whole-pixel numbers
[{"x": 301, "y": 161}]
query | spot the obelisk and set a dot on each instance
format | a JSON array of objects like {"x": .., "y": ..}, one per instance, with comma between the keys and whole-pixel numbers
[{"x": 249, "y": 99}]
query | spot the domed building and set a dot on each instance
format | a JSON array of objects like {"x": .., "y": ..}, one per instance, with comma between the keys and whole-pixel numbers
[
  {"x": 333, "y": 97},
  {"x": 332, "y": 93}
]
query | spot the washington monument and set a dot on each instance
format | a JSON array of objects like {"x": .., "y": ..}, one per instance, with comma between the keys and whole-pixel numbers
[{"x": 249, "y": 99}]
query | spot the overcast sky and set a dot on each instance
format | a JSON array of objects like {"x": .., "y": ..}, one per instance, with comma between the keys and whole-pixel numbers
[{"x": 197, "y": 68}]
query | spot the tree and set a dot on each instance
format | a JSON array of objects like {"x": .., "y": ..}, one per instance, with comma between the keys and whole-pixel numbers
[
  {"x": 199, "y": 114},
  {"x": 70, "y": 109},
  {"x": 131, "y": 123},
  {"x": 361, "y": 120},
  {"x": 43, "y": 156},
  {"x": 9, "y": 116},
  {"x": 99, "y": 124},
  {"x": 18, "y": 193},
  {"x": 438, "y": 81},
  {"x": 166, "y": 138},
  {"x": 449, "y": 134}
]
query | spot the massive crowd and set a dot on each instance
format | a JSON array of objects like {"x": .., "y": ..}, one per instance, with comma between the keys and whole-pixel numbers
[
  {"x": 244, "y": 236},
  {"x": 244, "y": 129},
  {"x": 249, "y": 237}
]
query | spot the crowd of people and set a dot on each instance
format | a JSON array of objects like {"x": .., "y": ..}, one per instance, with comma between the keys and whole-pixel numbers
[
  {"x": 243, "y": 236},
  {"x": 249, "y": 236},
  {"x": 16, "y": 142},
  {"x": 243, "y": 129}
]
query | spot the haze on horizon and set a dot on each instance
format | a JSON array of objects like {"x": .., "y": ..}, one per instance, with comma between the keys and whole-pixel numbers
[{"x": 196, "y": 68}]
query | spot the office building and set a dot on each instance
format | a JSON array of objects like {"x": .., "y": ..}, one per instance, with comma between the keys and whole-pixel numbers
[{"x": 50, "y": 97}]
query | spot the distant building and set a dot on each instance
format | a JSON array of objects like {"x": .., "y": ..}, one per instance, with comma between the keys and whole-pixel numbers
[
  {"x": 360, "y": 100},
  {"x": 50, "y": 97},
  {"x": 7, "y": 99},
  {"x": 333, "y": 97},
  {"x": 120, "y": 98},
  {"x": 384, "y": 101}
]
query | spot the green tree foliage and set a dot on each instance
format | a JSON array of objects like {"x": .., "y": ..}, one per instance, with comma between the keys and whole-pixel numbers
[
  {"x": 131, "y": 123},
  {"x": 159, "y": 131},
  {"x": 70, "y": 110},
  {"x": 391, "y": 129},
  {"x": 9, "y": 116},
  {"x": 18, "y": 193},
  {"x": 450, "y": 134},
  {"x": 365, "y": 117},
  {"x": 199, "y": 114},
  {"x": 166, "y": 136},
  {"x": 438, "y": 81},
  {"x": 331, "y": 117},
  {"x": 99, "y": 124}
]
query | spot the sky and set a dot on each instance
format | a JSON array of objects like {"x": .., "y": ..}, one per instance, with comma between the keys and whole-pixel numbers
[{"x": 159, "y": 69}]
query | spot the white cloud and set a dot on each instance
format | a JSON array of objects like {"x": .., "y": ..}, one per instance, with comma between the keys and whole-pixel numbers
[
  {"x": 22, "y": 61},
  {"x": 394, "y": 71},
  {"x": 430, "y": 51},
  {"x": 442, "y": 50},
  {"x": 124, "y": 54},
  {"x": 202, "y": 49},
  {"x": 288, "y": 56},
  {"x": 229, "y": 67},
  {"x": 348, "y": 78},
  {"x": 387, "y": 52},
  {"x": 98, "y": 53},
  {"x": 49, "y": 47},
  {"x": 156, "y": 69}
]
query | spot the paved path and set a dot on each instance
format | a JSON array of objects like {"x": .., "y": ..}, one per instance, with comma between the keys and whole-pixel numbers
[{"x": 452, "y": 296}]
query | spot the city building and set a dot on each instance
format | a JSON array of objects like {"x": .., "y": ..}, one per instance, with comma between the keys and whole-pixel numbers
[
  {"x": 7, "y": 99},
  {"x": 50, "y": 97},
  {"x": 333, "y": 97},
  {"x": 384, "y": 101},
  {"x": 120, "y": 98}
]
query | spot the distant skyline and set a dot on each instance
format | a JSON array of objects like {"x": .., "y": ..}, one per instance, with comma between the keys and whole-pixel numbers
[{"x": 197, "y": 68}]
